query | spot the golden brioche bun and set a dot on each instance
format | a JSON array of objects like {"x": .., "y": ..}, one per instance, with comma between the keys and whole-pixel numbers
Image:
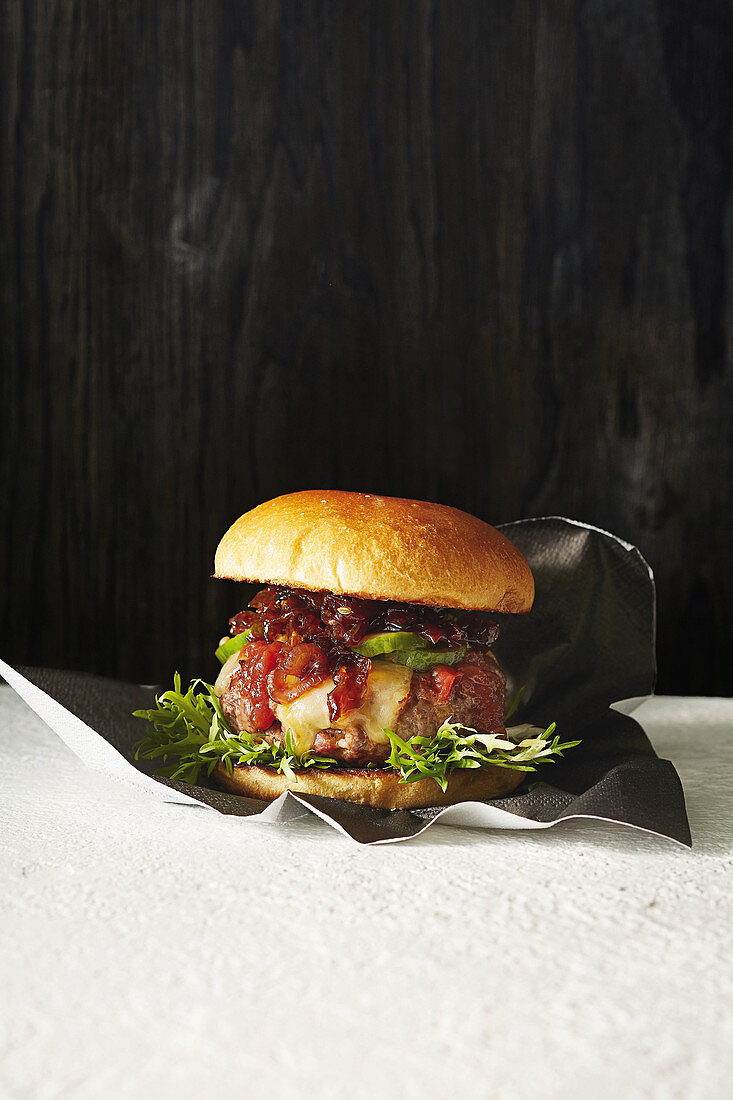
[
  {"x": 370, "y": 787},
  {"x": 380, "y": 548}
]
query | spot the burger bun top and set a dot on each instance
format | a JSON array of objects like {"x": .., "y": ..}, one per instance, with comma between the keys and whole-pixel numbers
[{"x": 379, "y": 548}]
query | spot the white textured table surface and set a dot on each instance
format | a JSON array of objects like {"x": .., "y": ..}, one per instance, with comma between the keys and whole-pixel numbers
[{"x": 153, "y": 950}]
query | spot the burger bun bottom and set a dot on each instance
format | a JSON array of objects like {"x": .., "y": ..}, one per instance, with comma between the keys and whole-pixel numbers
[{"x": 379, "y": 788}]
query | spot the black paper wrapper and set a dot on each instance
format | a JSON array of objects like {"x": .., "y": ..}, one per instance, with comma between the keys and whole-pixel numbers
[{"x": 587, "y": 643}]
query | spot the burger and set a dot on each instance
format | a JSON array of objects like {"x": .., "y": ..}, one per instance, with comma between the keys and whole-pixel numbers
[{"x": 363, "y": 669}]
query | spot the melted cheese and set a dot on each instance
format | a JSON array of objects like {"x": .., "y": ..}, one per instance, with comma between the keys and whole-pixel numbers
[
  {"x": 229, "y": 667},
  {"x": 388, "y": 686}
]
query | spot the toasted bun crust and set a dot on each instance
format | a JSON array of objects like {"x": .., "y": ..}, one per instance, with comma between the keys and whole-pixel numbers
[
  {"x": 380, "y": 548},
  {"x": 379, "y": 788}
]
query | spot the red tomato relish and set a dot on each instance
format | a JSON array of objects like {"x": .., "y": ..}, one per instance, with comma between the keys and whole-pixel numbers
[{"x": 298, "y": 639}]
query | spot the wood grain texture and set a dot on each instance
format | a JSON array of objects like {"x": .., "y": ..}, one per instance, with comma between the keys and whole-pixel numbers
[{"x": 477, "y": 255}]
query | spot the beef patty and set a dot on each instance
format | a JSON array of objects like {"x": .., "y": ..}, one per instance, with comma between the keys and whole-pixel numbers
[{"x": 475, "y": 699}]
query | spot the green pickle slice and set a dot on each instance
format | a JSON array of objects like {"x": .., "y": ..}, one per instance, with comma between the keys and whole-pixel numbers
[
  {"x": 412, "y": 650},
  {"x": 376, "y": 644},
  {"x": 231, "y": 646},
  {"x": 423, "y": 660}
]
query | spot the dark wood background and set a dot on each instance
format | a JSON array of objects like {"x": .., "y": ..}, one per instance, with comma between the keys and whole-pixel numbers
[{"x": 477, "y": 253}]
